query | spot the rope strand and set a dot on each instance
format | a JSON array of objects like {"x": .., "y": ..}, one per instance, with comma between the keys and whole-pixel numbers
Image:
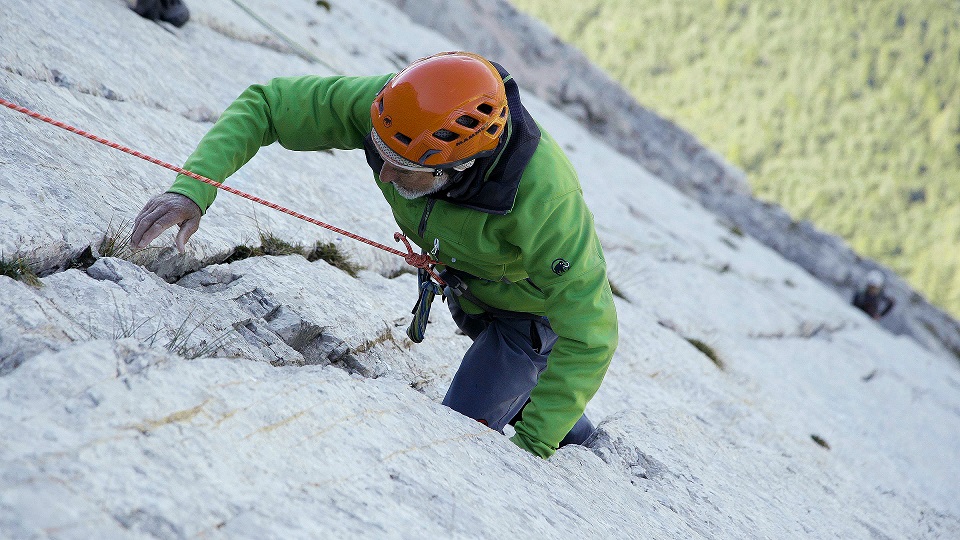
[{"x": 419, "y": 261}]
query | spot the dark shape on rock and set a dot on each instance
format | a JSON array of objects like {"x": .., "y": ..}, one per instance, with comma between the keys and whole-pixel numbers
[
  {"x": 174, "y": 12},
  {"x": 820, "y": 440}
]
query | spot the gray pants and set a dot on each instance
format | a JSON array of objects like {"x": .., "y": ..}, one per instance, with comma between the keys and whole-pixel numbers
[{"x": 500, "y": 369}]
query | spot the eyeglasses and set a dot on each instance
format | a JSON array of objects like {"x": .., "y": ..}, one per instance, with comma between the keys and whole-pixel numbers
[{"x": 396, "y": 160}]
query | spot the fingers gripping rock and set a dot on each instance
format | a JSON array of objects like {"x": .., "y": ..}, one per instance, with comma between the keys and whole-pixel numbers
[{"x": 162, "y": 212}]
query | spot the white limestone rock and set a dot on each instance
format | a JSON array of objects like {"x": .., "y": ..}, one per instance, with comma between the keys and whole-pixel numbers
[{"x": 275, "y": 397}]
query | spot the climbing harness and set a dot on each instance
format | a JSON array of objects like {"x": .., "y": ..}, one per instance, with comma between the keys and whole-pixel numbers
[
  {"x": 455, "y": 287},
  {"x": 423, "y": 262}
]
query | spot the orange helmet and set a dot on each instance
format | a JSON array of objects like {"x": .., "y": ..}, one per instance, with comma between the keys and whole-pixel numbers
[{"x": 441, "y": 111}]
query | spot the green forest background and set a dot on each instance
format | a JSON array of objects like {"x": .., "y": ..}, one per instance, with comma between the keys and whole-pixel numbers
[{"x": 845, "y": 113}]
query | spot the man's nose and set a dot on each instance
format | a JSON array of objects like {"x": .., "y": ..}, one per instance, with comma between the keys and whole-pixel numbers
[{"x": 387, "y": 174}]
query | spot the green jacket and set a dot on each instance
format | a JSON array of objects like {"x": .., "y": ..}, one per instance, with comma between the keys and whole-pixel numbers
[{"x": 542, "y": 256}]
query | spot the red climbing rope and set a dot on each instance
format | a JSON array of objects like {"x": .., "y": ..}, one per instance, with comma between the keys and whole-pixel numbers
[{"x": 419, "y": 261}]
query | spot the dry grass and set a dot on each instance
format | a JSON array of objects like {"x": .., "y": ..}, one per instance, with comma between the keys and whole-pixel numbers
[
  {"x": 270, "y": 244},
  {"x": 708, "y": 351},
  {"x": 20, "y": 269}
]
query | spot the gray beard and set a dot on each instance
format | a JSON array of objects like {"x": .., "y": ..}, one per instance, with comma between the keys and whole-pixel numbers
[{"x": 438, "y": 183}]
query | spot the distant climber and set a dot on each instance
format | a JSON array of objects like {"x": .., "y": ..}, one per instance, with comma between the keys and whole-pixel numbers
[
  {"x": 472, "y": 179},
  {"x": 872, "y": 299},
  {"x": 174, "y": 12}
]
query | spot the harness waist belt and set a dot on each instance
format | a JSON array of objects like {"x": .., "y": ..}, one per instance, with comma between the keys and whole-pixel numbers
[{"x": 456, "y": 287}]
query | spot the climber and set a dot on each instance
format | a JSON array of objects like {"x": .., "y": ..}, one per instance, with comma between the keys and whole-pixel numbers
[
  {"x": 472, "y": 179},
  {"x": 872, "y": 299}
]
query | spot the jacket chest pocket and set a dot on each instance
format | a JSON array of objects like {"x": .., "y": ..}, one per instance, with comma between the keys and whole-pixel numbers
[{"x": 469, "y": 241}]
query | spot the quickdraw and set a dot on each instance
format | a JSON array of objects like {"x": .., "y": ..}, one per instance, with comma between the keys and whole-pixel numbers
[{"x": 421, "y": 311}]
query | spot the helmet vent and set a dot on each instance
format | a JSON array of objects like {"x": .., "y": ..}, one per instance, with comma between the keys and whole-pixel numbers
[
  {"x": 503, "y": 112},
  {"x": 445, "y": 135},
  {"x": 468, "y": 121},
  {"x": 485, "y": 108},
  {"x": 403, "y": 138},
  {"x": 492, "y": 130},
  {"x": 380, "y": 105}
]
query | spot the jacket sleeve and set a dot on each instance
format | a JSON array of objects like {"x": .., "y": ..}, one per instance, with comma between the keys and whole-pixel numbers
[
  {"x": 301, "y": 113},
  {"x": 564, "y": 258}
]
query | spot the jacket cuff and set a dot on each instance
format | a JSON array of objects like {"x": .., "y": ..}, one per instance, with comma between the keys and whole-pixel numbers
[
  {"x": 533, "y": 446},
  {"x": 198, "y": 192}
]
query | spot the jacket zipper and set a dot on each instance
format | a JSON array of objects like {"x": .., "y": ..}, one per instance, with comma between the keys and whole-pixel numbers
[{"x": 422, "y": 229}]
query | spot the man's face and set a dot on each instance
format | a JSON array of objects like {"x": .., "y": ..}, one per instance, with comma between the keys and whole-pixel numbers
[{"x": 412, "y": 184}]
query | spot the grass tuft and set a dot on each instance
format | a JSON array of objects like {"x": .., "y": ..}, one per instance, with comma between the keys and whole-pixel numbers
[
  {"x": 20, "y": 269},
  {"x": 124, "y": 327},
  {"x": 820, "y": 440},
  {"x": 405, "y": 269},
  {"x": 179, "y": 343},
  {"x": 708, "y": 351},
  {"x": 729, "y": 243},
  {"x": 127, "y": 325},
  {"x": 332, "y": 254},
  {"x": 243, "y": 252},
  {"x": 116, "y": 243},
  {"x": 616, "y": 291},
  {"x": 270, "y": 244}
]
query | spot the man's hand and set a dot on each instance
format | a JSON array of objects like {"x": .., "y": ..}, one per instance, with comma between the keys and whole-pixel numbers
[{"x": 162, "y": 212}]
